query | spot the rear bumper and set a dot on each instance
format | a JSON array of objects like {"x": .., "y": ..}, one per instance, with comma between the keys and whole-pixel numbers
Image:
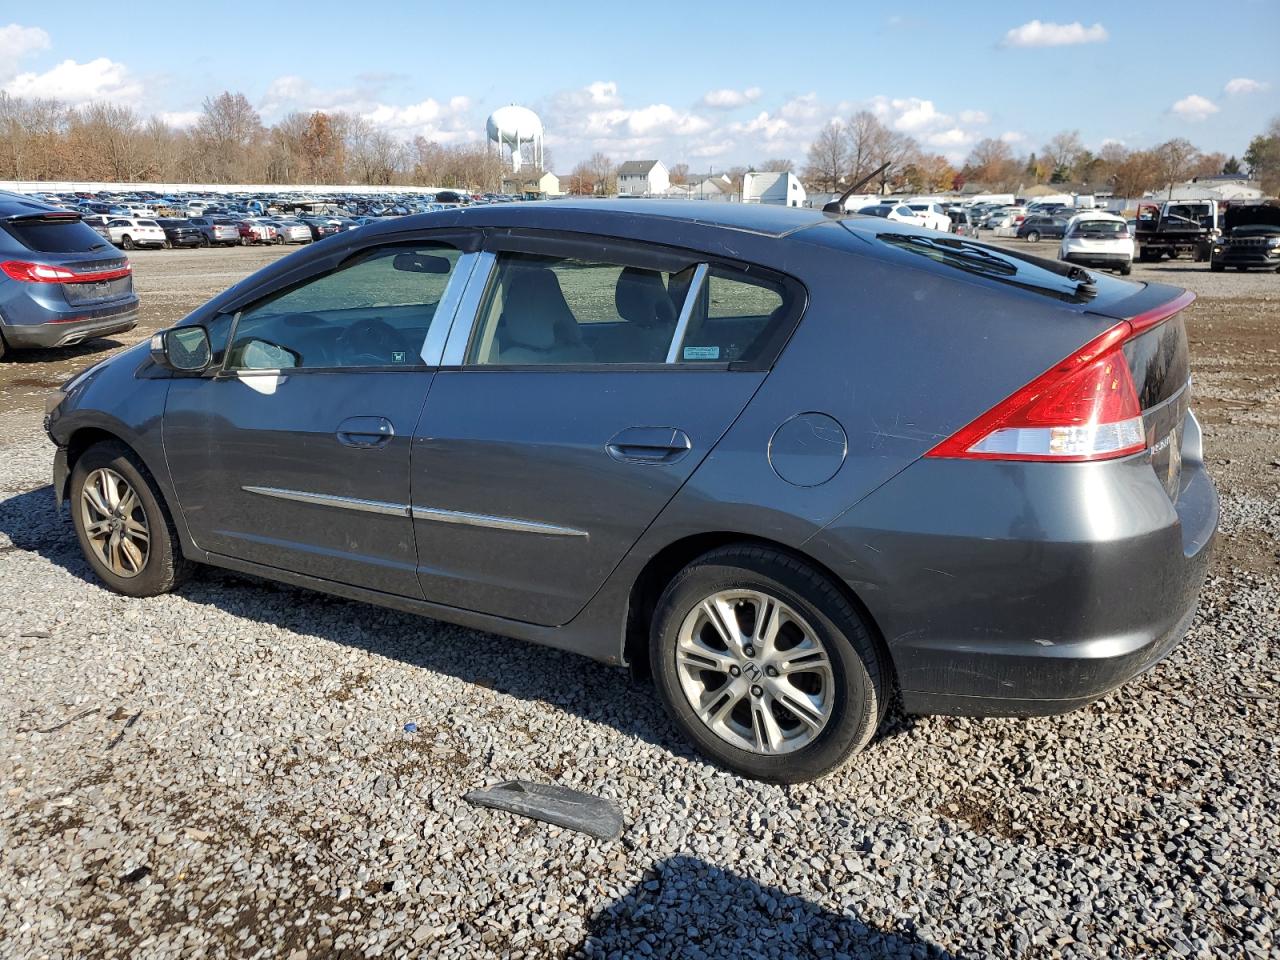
[
  {"x": 67, "y": 332},
  {"x": 1008, "y": 589}
]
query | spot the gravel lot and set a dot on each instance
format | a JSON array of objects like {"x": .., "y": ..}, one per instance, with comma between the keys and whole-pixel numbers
[{"x": 224, "y": 772}]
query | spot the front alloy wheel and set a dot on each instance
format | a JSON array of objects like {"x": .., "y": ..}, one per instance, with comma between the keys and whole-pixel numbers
[
  {"x": 114, "y": 522},
  {"x": 755, "y": 672}
]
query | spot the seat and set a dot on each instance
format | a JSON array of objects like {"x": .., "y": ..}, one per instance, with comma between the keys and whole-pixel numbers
[
  {"x": 537, "y": 325},
  {"x": 641, "y": 298}
]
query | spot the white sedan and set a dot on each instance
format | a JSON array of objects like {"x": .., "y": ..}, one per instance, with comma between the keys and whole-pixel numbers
[
  {"x": 897, "y": 212},
  {"x": 932, "y": 214}
]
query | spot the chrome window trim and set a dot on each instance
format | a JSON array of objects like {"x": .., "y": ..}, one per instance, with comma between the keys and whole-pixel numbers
[
  {"x": 686, "y": 312},
  {"x": 496, "y": 523},
  {"x": 447, "y": 309},
  {"x": 455, "y": 350}
]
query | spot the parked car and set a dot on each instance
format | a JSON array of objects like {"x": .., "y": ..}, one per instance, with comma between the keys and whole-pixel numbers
[
  {"x": 97, "y": 222},
  {"x": 60, "y": 281},
  {"x": 291, "y": 231},
  {"x": 1097, "y": 239},
  {"x": 931, "y": 215},
  {"x": 216, "y": 231},
  {"x": 1035, "y": 227},
  {"x": 180, "y": 233},
  {"x": 640, "y": 444},
  {"x": 898, "y": 213},
  {"x": 256, "y": 231},
  {"x": 1252, "y": 239},
  {"x": 133, "y": 232},
  {"x": 321, "y": 227}
]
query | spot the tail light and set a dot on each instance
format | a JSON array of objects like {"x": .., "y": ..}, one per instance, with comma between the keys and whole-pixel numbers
[
  {"x": 1084, "y": 408},
  {"x": 28, "y": 272}
]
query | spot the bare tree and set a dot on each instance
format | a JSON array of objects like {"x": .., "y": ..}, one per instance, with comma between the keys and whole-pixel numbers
[
  {"x": 828, "y": 158},
  {"x": 894, "y": 151},
  {"x": 776, "y": 165},
  {"x": 228, "y": 127},
  {"x": 992, "y": 164},
  {"x": 1176, "y": 158},
  {"x": 863, "y": 132},
  {"x": 679, "y": 172},
  {"x": 604, "y": 173},
  {"x": 1062, "y": 153}
]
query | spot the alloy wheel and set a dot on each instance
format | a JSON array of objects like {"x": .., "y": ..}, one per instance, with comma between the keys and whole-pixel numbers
[
  {"x": 755, "y": 672},
  {"x": 115, "y": 523}
]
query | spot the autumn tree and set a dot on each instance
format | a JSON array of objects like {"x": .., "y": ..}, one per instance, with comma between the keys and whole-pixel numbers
[
  {"x": 1263, "y": 157},
  {"x": 992, "y": 164},
  {"x": 679, "y": 173},
  {"x": 828, "y": 158}
]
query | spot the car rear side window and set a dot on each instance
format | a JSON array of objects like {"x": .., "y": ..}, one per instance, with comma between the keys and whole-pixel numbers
[
  {"x": 734, "y": 318},
  {"x": 548, "y": 310},
  {"x": 372, "y": 312},
  {"x": 55, "y": 236}
]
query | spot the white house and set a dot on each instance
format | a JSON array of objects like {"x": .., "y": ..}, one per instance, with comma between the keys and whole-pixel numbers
[
  {"x": 532, "y": 183},
  {"x": 643, "y": 178},
  {"x": 772, "y": 187}
]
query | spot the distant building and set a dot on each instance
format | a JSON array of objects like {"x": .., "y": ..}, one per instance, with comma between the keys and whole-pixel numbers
[
  {"x": 530, "y": 182},
  {"x": 772, "y": 186},
  {"x": 643, "y": 178},
  {"x": 1221, "y": 187},
  {"x": 704, "y": 186}
]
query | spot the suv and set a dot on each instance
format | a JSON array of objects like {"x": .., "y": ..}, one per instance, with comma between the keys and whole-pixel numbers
[
  {"x": 131, "y": 233},
  {"x": 1039, "y": 225},
  {"x": 60, "y": 282}
]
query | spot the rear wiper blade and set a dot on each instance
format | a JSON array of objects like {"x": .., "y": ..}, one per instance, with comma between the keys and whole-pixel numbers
[{"x": 956, "y": 250}]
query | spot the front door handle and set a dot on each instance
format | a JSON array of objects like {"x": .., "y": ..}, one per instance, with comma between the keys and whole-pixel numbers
[
  {"x": 365, "y": 432},
  {"x": 649, "y": 445}
]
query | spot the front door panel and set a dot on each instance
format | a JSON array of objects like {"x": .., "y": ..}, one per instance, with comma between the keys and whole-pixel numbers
[{"x": 306, "y": 472}]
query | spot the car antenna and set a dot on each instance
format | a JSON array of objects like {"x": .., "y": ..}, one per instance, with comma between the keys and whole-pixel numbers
[{"x": 837, "y": 206}]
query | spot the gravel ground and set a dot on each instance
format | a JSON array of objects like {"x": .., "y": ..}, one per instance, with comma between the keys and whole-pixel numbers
[{"x": 224, "y": 772}]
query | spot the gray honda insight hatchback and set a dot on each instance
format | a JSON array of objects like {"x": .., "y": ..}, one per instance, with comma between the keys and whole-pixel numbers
[{"x": 794, "y": 464}]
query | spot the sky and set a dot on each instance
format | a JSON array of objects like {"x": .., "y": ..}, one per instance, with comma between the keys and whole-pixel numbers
[{"x": 697, "y": 84}]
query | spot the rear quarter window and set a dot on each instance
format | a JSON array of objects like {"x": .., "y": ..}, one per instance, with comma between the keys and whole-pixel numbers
[{"x": 55, "y": 236}]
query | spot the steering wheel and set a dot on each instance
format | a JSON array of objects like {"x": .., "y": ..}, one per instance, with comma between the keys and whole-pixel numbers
[{"x": 369, "y": 342}]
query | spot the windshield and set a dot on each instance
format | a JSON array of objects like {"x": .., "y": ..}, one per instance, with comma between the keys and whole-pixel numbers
[{"x": 1100, "y": 229}]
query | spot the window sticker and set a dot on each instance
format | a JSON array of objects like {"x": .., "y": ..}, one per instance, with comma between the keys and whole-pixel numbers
[
  {"x": 702, "y": 353},
  {"x": 398, "y": 356}
]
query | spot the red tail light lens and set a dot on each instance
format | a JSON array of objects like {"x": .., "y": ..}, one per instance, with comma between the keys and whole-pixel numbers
[
  {"x": 28, "y": 272},
  {"x": 1084, "y": 408}
]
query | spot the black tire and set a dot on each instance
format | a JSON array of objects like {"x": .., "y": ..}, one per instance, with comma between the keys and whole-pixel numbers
[
  {"x": 127, "y": 242},
  {"x": 168, "y": 245},
  {"x": 1217, "y": 267},
  {"x": 165, "y": 567},
  {"x": 2, "y": 346},
  {"x": 1033, "y": 236},
  {"x": 204, "y": 241},
  {"x": 859, "y": 674},
  {"x": 1126, "y": 269}
]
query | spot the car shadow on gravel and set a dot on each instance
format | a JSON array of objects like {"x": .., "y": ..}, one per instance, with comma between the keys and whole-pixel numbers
[
  {"x": 563, "y": 680},
  {"x": 685, "y": 907}
]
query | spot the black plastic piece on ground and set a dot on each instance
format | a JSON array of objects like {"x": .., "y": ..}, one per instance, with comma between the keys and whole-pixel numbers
[{"x": 549, "y": 803}]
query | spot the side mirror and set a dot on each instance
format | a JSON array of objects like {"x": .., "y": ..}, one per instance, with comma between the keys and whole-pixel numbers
[{"x": 182, "y": 349}]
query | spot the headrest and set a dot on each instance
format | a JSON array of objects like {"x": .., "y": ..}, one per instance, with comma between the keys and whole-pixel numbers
[
  {"x": 641, "y": 297},
  {"x": 534, "y": 305}
]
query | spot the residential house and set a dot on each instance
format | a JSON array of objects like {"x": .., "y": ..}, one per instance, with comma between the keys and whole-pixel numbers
[{"x": 643, "y": 178}]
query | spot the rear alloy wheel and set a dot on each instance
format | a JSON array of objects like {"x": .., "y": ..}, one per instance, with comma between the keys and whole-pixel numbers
[
  {"x": 204, "y": 241},
  {"x": 127, "y": 242},
  {"x": 123, "y": 527},
  {"x": 766, "y": 665},
  {"x": 1033, "y": 236}
]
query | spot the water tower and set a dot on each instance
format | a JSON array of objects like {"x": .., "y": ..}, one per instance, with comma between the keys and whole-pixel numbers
[{"x": 513, "y": 126}]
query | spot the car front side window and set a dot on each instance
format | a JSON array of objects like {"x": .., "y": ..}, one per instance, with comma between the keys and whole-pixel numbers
[{"x": 372, "y": 312}]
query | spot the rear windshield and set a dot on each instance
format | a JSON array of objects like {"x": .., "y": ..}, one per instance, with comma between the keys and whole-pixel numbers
[
  {"x": 147, "y": 223},
  {"x": 55, "y": 236},
  {"x": 1100, "y": 228}
]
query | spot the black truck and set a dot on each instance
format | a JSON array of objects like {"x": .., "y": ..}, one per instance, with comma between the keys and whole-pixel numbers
[{"x": 1174, "y": 228}]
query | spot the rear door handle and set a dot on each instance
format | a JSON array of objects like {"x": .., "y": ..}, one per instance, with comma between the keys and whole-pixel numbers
[
  {"x": 649, "y": 445},
  {"x": 365, "y": 432}
]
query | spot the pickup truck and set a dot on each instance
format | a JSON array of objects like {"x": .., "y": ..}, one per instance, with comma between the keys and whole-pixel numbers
[{"x": 1174, "y": 228}]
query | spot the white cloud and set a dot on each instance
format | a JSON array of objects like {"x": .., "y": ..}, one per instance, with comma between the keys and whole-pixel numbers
[
  {"x": 1038, "y": 34},
  {"x": 1194, "y": 107},
  {"x": 1241, "y": 85},
  {"x": 716, "y": 148},
  {"x": 802, "y": 109},
  {"x": 1013, "y": 136},
  {"x": 595, "y": 117},
  {"x": 974, "y": 116},
  {"x": 953, "y": 137},
  {"x": 603, "y": 93},
  {"x": 449, "y": 122},
  {"x": 16, "y": 42},
  {"x": 727, "y": 99},
  {"x": 764, "y": 125},
  {"x": 180, "y": 118},
  {"x": 79, "y": 83}
]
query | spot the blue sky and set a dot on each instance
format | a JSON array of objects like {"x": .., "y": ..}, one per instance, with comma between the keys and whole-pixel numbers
[{"x": 680, "y": 82}]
